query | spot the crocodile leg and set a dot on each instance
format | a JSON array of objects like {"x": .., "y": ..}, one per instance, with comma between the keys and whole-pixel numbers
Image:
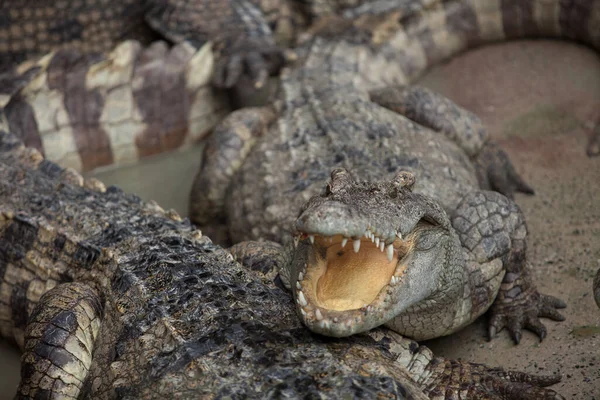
[
  {"x": 223, "y": 155},
  {"x": 434, "y": 111},
  {"x": 492, "y": 227},
  {"x": 59, "y": 342},
  {"x": 242, "y": 36}
]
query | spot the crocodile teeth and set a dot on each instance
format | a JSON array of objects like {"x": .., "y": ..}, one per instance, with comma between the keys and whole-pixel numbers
[
  {"x": 300, "y": 276},
  {"x": 399, "y": 234},
  {"x": 318, "y": 314},
  {"x": 302, "y": 299},
  {"x": 382, "y": 246},
  {"x": 298, "y": 286},
  {"x": 390, "y": 252},
  {"x": 324, "y": 324},
  {"x": 377, "y": 241},
  {"x": 311, "y": 238},
  {"x": 344, "y": 241},
  {"x": 356, "y": 245}
]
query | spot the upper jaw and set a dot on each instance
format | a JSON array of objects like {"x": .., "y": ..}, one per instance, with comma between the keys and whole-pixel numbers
[{"x": 334, "y": 218}]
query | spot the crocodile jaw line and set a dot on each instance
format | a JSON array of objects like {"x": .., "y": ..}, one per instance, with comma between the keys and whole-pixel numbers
[{"x": 349, "y": 282}]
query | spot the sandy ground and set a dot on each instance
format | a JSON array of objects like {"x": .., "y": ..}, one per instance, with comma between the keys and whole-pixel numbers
[{"x": 539, "y": 100}]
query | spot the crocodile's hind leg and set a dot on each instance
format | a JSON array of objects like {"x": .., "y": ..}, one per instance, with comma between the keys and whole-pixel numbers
[
  {"x": 223, "y": 155},
  {"x": 492, "y": 227},
  {"x": 59, "y": 342},
  {"x": 434, "y": 111}
]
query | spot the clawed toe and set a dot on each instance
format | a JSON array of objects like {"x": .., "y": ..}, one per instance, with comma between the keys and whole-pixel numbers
[
  {"x": 257, "y": 64},
  {"x": 525, "y": 311}
]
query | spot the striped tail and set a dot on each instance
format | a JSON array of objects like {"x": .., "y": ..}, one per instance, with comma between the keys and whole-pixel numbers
[{"x": 444, "y": 29}]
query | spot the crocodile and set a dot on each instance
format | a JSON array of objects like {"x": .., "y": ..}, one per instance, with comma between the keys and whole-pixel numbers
[
  {"x": 96, "y": 86},
  {"x": 137, "y": 303},
  {"x": 416, "y": 228},
  {"x": 88, "y": 120},
  {"x": 90, "y": 111}
]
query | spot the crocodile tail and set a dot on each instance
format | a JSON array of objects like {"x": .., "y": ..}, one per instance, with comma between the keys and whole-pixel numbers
[
  {"x": 444, "y": 29},
  {"x": 87, "y": 111}
]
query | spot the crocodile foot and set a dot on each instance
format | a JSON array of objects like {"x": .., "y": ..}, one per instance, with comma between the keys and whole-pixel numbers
[
  {"x": 256, "y": 58},
  {"x": 516, "y": 309},
  {"x": 496, "y": 172},
  {"x": 452, "y": 379}
]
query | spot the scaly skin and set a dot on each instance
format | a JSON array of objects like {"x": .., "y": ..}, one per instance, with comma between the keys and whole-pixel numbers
[
  {"x": 33, "y": 28},
  {"x": 137, "y": 304},
  {"x": 87, "y": 111},
  {"x": 104, "y": 100},
  {"x": 346, "y": 104}
]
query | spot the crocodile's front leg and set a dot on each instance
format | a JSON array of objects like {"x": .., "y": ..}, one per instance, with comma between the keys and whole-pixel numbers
[
  {"x": 241, "y": 34},
  {"x": 434, "y": 111},
  {"x": 492, "y": 229},
  {"x": 59, "y": 342},
  {"x": 223, "y": 155}
]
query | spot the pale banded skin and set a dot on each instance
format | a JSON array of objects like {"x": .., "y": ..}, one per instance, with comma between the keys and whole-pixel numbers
[
  {"x": 86, "y": 112},
  {"x": 95, "y": 99},
  {"x": 347, "y": 104}
]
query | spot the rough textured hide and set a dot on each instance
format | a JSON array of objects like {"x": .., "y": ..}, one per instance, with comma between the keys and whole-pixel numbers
[
  {"x": 347, "y": 103},
  {"x": 88, "y": 111},
  {"x": 136, "y": 303}
]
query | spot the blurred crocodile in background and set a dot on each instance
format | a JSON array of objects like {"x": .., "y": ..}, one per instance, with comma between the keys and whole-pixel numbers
[
  {"x": 89, "y": 111},
  {"x": 105, "y": 91},
  {"x": 156, "y": 99}
]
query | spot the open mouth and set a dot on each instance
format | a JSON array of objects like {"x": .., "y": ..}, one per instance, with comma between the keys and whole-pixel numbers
[{"x": 345, "y": 278}]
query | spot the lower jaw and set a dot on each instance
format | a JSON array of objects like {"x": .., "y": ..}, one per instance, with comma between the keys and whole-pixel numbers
[{"x": 344, "y": 323}]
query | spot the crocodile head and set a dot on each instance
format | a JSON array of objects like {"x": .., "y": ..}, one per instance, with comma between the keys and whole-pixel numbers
[{"x": 366, "y": 252}]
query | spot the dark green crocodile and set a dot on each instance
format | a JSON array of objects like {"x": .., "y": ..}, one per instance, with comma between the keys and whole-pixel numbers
[
  {"x": 110, "y": 297},
  {"x": 372, "y": 246}
]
